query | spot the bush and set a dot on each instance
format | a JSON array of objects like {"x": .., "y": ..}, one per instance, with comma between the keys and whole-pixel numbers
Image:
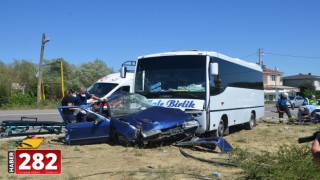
[
  {"x": 21, "y": 99},
  {"x": 294, "y": 162},
  {"x": 4, "y": 95}
]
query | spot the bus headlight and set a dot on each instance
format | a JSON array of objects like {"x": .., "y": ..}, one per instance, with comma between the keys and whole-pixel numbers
[{"x": 190, "y": 124}]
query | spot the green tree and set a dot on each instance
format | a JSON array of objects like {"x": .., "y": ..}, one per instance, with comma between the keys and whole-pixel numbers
[
  {"x": 4, "y": 84},
  {"x": 90, "y": 72},
  {"x": 51, "y": 76},
  {"x": 307, "y": 89},
  {"x": 22, "y": 76}
]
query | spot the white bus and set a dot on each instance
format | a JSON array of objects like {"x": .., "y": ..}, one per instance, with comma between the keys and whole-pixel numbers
[{"x": 219, "y": 91}]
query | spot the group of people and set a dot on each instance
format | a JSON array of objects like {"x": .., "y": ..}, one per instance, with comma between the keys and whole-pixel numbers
[
  {"x": 77, "y": 98},
  {"x": 74, "y": 98},
  {"x": 312, "y": 101},
  {"x": 306, "y": 111}
]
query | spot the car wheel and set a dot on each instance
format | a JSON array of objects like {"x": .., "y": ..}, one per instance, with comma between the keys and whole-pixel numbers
[
  {"x": 293, "y": 105},
  {"x": 251, "y": 124},
  {"x": 221, "y": 128},
  {"x": 122, "y": 140}
]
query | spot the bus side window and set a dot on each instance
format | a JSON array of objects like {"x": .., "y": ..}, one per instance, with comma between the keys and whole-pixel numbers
[
  {"x": 215, "y": 84},
  {"x": 217, "y": 81}
]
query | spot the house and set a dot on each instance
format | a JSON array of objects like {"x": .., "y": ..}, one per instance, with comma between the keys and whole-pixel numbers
[
  {"x": 273, "y": 85},
  {"x": 300, "y": 79}
]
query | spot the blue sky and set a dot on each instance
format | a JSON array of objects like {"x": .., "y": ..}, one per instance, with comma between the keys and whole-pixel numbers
[{"x": 121, "y": 30}]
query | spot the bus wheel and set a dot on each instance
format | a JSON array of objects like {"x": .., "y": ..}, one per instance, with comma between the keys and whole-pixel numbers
[
  {"x": 251, "y": 124},
  {"x": 220, "y": 129}
]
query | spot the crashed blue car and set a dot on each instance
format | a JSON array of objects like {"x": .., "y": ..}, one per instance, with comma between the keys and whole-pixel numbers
[{"x": 127, "y": 118}]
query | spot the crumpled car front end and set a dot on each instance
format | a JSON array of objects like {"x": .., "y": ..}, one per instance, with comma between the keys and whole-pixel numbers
[
  {"x": 159, "y": 123},
  {"x": 184, "y": 129}
]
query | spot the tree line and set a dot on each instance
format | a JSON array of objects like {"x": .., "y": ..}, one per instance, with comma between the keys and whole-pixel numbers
[{"x": 19, "y": 81}]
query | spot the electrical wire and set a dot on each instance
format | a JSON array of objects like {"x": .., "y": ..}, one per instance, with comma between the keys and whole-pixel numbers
[
  {"x": 294, "y": 56},
  {"x": 249, "y": 55}
]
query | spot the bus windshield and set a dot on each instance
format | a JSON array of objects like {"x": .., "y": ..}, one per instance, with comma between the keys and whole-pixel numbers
[{"x": 171, "y": 76}]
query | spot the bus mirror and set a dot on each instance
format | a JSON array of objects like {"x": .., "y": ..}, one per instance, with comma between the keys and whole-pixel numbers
[
  {"x": 123, "y": 72},
  {"x": 214, "y": 70}
]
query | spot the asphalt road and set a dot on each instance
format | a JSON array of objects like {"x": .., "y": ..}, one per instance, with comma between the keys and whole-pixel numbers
[
  {"x": 46, "y": 114},
  {"x": 53, "y": 114}
]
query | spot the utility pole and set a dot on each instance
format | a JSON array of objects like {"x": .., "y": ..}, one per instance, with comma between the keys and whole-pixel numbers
[
  {"x": 260, "y": 57},
  {"x": 62, "y": 78},
  {"x": 275, "y": 83},
  {"x": 43, "y": 42}
]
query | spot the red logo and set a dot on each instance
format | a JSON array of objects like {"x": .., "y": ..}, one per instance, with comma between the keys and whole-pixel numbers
[{"x": 29, "y": 161}]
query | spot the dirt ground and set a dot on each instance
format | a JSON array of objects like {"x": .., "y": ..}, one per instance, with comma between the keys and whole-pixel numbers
[{"x": 110, "y": 161}]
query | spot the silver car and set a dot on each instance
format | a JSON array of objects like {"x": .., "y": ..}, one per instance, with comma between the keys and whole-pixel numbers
[{"x": 297, "y": 101}]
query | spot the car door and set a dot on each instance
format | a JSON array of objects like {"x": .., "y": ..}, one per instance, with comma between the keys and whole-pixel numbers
[{"x": 96, "y": 129}]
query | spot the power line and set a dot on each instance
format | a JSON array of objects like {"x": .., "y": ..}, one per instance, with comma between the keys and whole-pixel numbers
[
  {"x": 294, "y": 56},
  {"x": 249, "y": 55}
]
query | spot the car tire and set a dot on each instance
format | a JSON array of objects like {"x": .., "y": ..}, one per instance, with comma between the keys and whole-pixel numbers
[
  {"x": 123, "y": 141},
  {"x": 293, "y": 106},
  {"x": 251, "y": 124}
]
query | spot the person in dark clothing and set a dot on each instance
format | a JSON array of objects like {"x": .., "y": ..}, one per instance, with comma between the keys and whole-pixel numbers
[
  {"x": 83, "y": 96},
  {"x": 308, "y": 111},
  {"x": 283, "y": 107},
  {"x": 68, "y": 100}
]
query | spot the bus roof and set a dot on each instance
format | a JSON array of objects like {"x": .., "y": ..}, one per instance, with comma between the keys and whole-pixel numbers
[{"x": 205, "y": 53}]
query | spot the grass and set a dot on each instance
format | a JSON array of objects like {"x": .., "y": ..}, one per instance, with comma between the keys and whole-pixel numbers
[
  {"x": 138, "y": 153},
  {"x": 242, "y": 140},
  {"x": 70, "y": 176},
  {"x": 265, "y": 132},
  {"x": 131, "y": 173},
  {"x": 45, "y": 104},
  {"x": 289, "y": 162},
  {"x": 76, "y": 148},
  {"x": 164, "y": 174}
]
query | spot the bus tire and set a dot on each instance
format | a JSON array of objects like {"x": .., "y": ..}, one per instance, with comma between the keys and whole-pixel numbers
[
  {"x": 252, "y": 122},
  {"x": 221, "y": 128}
]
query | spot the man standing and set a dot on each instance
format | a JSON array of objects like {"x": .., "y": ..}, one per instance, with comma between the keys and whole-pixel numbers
[
  {"x": 282, "y": 106},
  {"x": 313, "y": 100},
  {"x": 69, "y": 100}
]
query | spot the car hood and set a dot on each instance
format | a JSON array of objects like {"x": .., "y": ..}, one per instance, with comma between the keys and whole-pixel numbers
[{"x": 157, "y": 118}]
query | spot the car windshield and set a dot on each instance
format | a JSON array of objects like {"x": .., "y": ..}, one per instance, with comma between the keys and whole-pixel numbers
[
  {"x": 291, "y": 97},
  {"x": 127, "y": 103}
]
